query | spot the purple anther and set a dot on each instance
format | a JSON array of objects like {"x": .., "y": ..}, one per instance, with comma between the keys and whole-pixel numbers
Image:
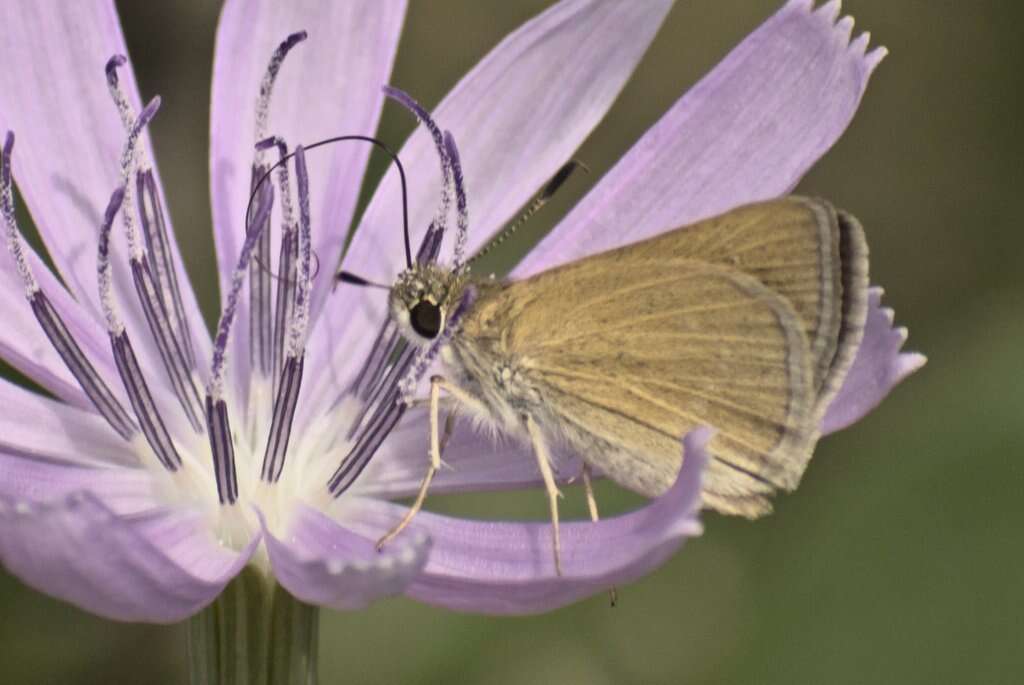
[
  {"x": 94, "y": 387},
  {"x": 285, "y": 402},
  {"x": 222, "y": 449},
  {"x": 286, "y": 263},
  {"x": 170, "y": 345},
  {"x": 216, "y": 385},
  {"x": 260, "y": 317},
  {"x": 154, "y": 230},
  {"x": 432, "y": 241},
  {"x": 142, "y": 402}
]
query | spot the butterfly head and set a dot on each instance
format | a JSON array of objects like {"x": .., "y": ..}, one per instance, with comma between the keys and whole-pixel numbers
[{"x": 422, "y": 300}]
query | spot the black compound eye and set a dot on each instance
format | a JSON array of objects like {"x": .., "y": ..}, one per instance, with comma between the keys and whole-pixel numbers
[{"x": 425, "y": 318}]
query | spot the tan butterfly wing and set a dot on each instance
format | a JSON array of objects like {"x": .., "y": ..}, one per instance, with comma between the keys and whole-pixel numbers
[
  {"x": 802, "y": 249},
  {"x": 622, "y": 353}
]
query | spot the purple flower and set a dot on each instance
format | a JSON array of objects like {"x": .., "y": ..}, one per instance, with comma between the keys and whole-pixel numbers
[{"x": 170, "y": 460}]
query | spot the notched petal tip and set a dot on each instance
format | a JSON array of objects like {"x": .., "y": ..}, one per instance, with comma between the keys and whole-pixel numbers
[
  {"x": 874, "y": 58},
  {"x": 911, "y": 362},
  {"x": 879, "y": 366},
  {"x": 842, "y": 27},
  {"x": 830, "y": 10}
]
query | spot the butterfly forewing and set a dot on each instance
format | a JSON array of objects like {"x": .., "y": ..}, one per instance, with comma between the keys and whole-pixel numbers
[
  {"x": 747, "y": 322},
  {"x": 629, "y": 354},
  {"x": 791, "y": 245}
]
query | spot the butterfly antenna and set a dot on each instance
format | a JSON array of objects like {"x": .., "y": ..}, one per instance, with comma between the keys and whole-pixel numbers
[
  {"x": 556, "y": 182},
  {"x": 338, "y": 139},
  {"x": 353, "y": 279}
]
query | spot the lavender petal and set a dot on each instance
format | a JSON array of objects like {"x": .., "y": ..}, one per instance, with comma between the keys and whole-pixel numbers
[
  {"x": 748, "y": 131},
  {"x": 321, "y": 562},
  {"x": 574, "y": 58},
  {"x": 159, "y": 567},
  {"x": 878, "y": 367},
  {"x": 348, "y": 55},
  {"x": 39, "y": 428},
  {"x": 506, "y": 568},
  {"x": 74, "y": 160},
  {"x": 125, "y": 491}
]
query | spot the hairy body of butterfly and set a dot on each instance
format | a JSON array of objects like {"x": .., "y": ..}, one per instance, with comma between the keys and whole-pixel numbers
[{"x": 747, "y": 322}]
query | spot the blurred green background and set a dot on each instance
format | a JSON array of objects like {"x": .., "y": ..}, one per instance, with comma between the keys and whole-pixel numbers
[{"x": 897, "y": 561}]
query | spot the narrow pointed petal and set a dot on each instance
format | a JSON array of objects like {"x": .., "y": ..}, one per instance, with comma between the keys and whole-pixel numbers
[
  {"x": 160, "y": 567},
  {"x": 748, "y": 131},
  {"x": 878, "y": 367},
  {"x": 71, "y": 136},
  {"x": 328, "y": 85},
  {"x": 321, "y": 562},
  {"x": 574, "y": 60},
  {"x": 506, "y": 568}
]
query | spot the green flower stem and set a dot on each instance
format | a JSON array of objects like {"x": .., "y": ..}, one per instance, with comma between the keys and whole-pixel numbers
[{"x": 254, "y": 633}]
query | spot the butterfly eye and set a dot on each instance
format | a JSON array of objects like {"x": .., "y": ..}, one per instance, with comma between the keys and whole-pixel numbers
[{"x": 425, "y": 318}]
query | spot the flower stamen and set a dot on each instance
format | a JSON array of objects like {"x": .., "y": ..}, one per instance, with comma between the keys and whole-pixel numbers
[
  {"x": 152, "y": 423},
  {"x": 269, "y": 78},
  {"x": 124, "y": 356},
  {"x": 221, "y": 445},
  {"x": 431, "y": 245},
  {"x": 459, "y": 264},
  {"x": 117, "y": 94},
  {"x": 261, "y": 321},
  {"x": 386, "y": 388},
  {"x": 290, "y": 383},
  {"x": 154, "y": 230},
  {"x": 159, "y": 297},
  {"x": 53, "y": 325},
  {"x": 286, "y": 270}
]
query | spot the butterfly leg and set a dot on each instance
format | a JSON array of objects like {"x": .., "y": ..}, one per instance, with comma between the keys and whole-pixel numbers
[
  {"x": 588, "y": 488},
  {"x": 540, "y": 450},
  {"x": 437, "y": 445}
]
